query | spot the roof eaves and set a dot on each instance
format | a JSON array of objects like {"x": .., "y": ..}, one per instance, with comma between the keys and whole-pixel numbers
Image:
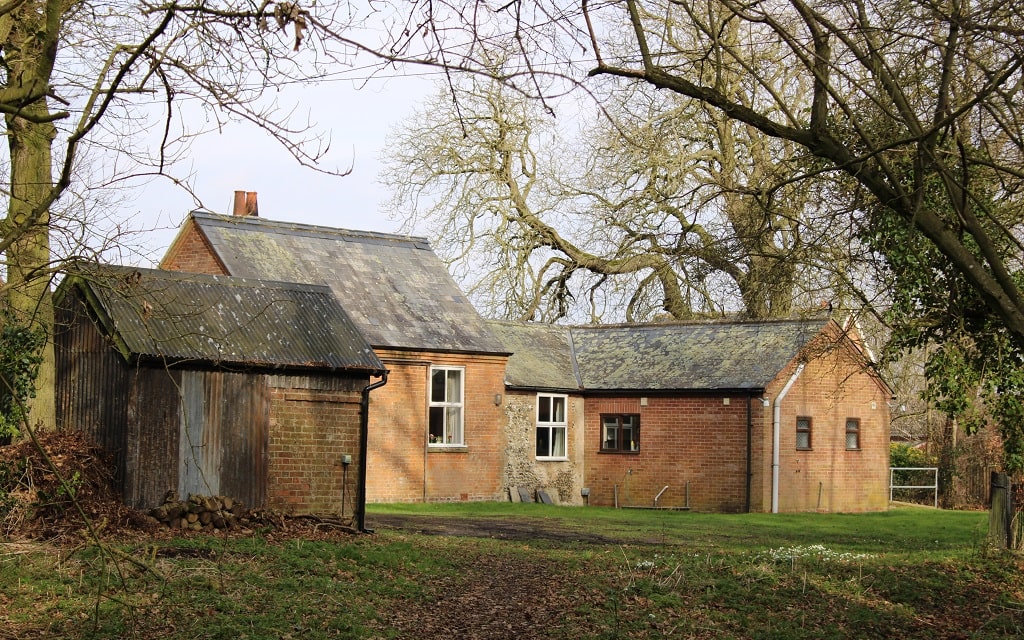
[
  {"x": 461, "y": 352},
  {"x": 96, "y": 308},
  {"x": 248, "y": 365},
  {"x": 542, "y": 389},
  {"x": 677, "y": 392}
]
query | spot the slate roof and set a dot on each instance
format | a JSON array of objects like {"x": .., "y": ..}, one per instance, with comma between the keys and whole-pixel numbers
[
  {"x": 222, "y": 320},
  {"x": 395, "y": 289},
  {"x": 682, "y": 357},
  {"x": 720, "y": 356},
  {"x": 542, "y": 356}
]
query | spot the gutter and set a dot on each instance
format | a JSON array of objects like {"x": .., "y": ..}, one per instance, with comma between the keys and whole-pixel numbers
[
  {"x": 776, "y": 430},
  {"x": 364, "y": 432}
]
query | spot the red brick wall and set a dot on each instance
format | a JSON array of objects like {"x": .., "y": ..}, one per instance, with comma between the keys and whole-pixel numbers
[
  {"x": 397, "y": 431},
  {"x": 830, "y": 389},
  {"x": 703, "y": 441},
  {"x": 696, "y": 440},
  {"x": 309, "y": 433},
  {"x": 401, "y": 466},
  {"x": 191, "y": 252}
]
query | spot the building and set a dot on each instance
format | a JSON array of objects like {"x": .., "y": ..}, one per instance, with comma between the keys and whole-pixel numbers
[
  {"x": 434, "y": 431},
  {"x": 215, "y": 386},
  {"x": 726, "y": 416},
  {"x": 715, "y": 416}
]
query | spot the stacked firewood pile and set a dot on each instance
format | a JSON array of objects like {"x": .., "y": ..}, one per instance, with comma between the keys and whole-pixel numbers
[{"x": 199, "y": 512}]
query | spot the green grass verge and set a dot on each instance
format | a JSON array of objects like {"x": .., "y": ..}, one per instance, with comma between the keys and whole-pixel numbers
[{"x": 911, "y": 573}]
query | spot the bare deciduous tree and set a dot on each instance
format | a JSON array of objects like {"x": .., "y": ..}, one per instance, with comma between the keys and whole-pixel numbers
[
  {"x": 660, "y": 206},
  {"x": 911, "y": 108},
  {"x": 902, "y": 93}
]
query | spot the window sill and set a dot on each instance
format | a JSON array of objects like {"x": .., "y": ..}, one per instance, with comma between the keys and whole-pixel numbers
[
  {"x": 447, "y": 448},
  {"x": 547, "y": 459},
  {"x": 621, "y": 451},
  {"x": 805, "y": 449}
]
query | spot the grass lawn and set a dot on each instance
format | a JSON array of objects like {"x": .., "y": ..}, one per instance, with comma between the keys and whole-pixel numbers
[{"x": 906, "y": 573}]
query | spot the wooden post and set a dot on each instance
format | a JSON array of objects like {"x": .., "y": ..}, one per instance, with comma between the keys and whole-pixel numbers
[{"x": 1000, "y": 518}]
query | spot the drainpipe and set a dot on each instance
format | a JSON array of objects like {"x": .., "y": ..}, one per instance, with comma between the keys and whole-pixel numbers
[
  {"x": 776, "y": 430},
  {"x": 364, "y": 432},
  {"x": 750, "y": 452}
]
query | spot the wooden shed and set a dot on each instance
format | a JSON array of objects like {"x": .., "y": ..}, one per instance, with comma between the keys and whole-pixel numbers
[{"x": 214, "y": 385}]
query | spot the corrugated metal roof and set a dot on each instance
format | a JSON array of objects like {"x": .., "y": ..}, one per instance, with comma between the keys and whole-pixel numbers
[
  {"x": 394, "y": 288},
  {"x": 541, "y": 356},
  {"x": 654, "y": 357},
  {"x": 222, "y": 320},
  {"x": 746, "y": 355}
]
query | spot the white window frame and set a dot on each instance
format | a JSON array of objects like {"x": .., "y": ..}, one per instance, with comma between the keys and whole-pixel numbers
[
  {"x": 552, "y": 425},
  {"x": 449, "y": 407}
]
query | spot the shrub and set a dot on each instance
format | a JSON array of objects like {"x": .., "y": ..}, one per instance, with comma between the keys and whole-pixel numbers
[{"x": 904, "y": 455}]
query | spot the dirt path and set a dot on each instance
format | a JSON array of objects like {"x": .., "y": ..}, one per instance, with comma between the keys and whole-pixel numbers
[
  {"x": 492, "y": 597},
  {"x": 489, "y": 599},
  {"x": 502, "y": 528}
]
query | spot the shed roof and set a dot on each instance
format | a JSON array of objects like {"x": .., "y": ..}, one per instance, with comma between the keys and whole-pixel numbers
[
  {"x": 394, "y": 288},
  {"x": 222, "y": 320},
  {"x": 654, "y": 357}
]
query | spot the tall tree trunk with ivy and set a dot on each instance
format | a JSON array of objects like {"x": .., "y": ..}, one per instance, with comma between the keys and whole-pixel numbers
[{"x": 29, "y": 45}]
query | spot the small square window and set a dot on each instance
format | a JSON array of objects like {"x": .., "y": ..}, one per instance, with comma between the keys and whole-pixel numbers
[
  {"x": 852, "y": 433},
  {"x": 803, "y": 432},
  {"x": 620, "y": 432}
]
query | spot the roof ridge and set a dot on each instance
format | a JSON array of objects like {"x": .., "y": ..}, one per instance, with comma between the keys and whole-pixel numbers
[
  {"x": 302, "y": 227},
  {"x": 187, "y": 276},
  {"x": 701, "y": 323}
]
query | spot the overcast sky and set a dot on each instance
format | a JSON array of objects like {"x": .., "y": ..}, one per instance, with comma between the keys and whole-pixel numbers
[{"x": 242, "y": 157}]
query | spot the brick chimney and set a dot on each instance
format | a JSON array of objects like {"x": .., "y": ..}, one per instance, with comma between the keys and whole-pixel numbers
[{"x": 245, "y": 204}]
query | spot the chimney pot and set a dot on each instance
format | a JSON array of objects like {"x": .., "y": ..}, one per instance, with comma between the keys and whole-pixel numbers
[
  {"x": 245, "y": 204},
  {"x": 238, "y": 209},
  {"x": 252, "y": 208}
]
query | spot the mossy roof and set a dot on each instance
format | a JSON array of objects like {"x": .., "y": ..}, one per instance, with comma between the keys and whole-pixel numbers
[
  {"x": 395, "y": 289},
  {"x": 689, "y": 357},
  {"x": 225, "y": 321}
]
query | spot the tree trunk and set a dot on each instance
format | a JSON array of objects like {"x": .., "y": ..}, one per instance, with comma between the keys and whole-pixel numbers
[
  {"x": 29, "y": 36},
  {"x": 1000, "y": 520},
  {"x": 28, "y": 257}
]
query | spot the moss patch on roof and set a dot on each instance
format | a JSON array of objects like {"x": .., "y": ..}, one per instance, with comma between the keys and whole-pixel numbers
[
  {"x": 541, "y": 358},
  {"x": 176, "y": 317},
  {"x": 654, "y": 357}
]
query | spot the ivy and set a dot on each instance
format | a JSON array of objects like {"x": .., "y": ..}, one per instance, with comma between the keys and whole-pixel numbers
[{"x": 20, "y": 357}]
